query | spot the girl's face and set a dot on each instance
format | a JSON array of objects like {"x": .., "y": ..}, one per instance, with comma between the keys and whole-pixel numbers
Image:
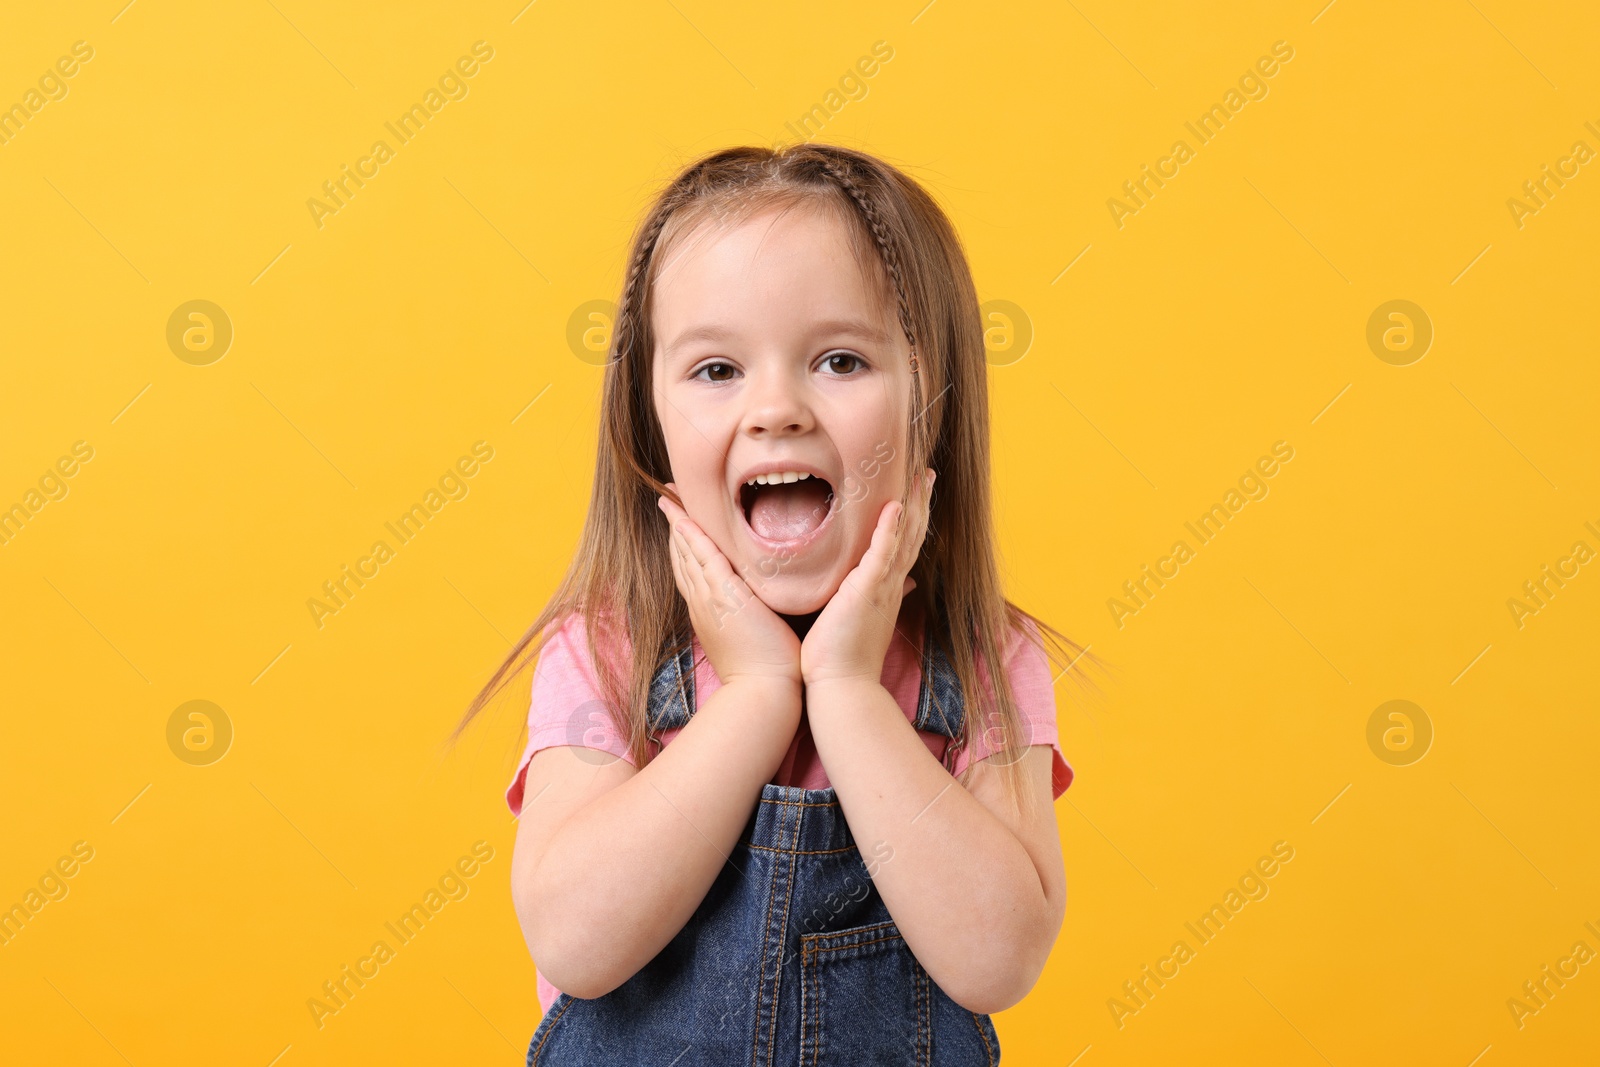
[{"x": 773, "y": 354}]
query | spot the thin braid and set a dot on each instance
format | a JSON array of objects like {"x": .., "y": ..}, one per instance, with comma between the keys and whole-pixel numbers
[
  {"x": 921, "y": 440},
  {"x": 689, "y": 186},
  {"x": 631, "y": 299},
  {"x": 886, "y": 247}
]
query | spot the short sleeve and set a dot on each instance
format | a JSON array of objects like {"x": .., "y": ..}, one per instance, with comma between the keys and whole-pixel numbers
[
  {"x": 1033, "y": 685},
  {"x": 564, "y": 705}
]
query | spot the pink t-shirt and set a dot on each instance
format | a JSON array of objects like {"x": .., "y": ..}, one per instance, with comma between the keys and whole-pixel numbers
[{"x": 565, "y": 708}]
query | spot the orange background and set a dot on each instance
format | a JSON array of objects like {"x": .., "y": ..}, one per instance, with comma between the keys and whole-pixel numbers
[{"x": 1142, "y": 362}]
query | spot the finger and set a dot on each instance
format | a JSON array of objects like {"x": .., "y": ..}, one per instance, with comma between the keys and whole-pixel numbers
[
  {"x": 883, "y": 554},
  {"x": 691, "y": 565},
  {"x": 675, "y": 555},
  {"x": 678, "y": 576},
  {"x": 678, "y": 519},
  {"x": 903, "y": 529},
  {"x": 890, "y": 582},
  {"x": 714, "y": 566},
  {"x": 696, "y": 542},
  {"x": 726, "y": 591},
  {"x": 690, "y": 532},
  {"x": 922, "y": 509},
  {"x": 685, "y": 566}
]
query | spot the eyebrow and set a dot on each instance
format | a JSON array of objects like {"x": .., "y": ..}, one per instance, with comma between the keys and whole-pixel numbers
[{"x": 828, "y": 328}]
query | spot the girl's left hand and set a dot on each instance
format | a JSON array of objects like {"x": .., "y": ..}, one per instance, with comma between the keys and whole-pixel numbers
[{"x": 851, "y": 636}]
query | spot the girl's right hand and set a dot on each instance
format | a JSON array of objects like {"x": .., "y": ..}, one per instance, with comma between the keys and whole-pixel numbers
[{"x": 741, "y": 635}]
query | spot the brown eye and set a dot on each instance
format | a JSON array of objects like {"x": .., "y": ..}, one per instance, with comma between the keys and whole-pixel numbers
[
  {"x": 833, "y": 357},
  {"x": 707, "y": 367}
]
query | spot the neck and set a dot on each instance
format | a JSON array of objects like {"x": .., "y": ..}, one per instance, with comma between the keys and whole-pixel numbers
[{"x": 801, "y": 624}]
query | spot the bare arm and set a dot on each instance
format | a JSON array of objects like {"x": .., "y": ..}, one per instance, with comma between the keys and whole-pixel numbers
[
  {"x": 610, "y": 862},
  {"x": 978, "y": 894}
]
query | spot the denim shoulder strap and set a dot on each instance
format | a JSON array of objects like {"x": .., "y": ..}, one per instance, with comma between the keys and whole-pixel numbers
[
  {"x": 940, "y": 707},
  {"x": 939, "y": 701},
  {"x": 672, "y": 691}
]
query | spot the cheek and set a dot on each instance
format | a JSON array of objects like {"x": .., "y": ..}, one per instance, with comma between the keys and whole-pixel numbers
[
  {"x": 882, "y": 473},
  {"x": 701, "y": 477},
  {"x": 865, "y": 511},
  {"x": 684, "y": 448},
  {"x": 875, "y": 476}
]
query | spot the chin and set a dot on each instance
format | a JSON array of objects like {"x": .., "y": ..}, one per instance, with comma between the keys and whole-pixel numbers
[{"x": 789, "y": 595}]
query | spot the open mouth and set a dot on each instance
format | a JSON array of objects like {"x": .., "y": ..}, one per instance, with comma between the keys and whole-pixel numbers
[{"x": 790, "y": 513}]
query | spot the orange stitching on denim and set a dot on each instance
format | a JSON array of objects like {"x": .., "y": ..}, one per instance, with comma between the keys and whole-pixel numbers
[
  {"x": 788, "y": 895},
  {"x": 803, "y": 851},
  {"x": 928, "y": 1002},
  {"x": 814, "y": 938},
  {"x": 801, "y": 803},
  {"x": 761, "y": 975},
  {"x": 811, "y": 949},
  {"x": 987, "y": 1050},
  {"x": 925, "y": 1015},
  {"x": 916, "y": 991},
  {"x": 816, "y": 1006},
  {"x": 858, "y": 944},
  {"x": 547, "y": 1033}
]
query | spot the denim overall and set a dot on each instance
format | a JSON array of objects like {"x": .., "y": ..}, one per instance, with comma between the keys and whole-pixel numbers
[{"x": 791, "y": 959}]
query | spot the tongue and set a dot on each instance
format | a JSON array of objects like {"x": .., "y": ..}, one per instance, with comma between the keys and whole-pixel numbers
[{"x": 789, "y": 511}]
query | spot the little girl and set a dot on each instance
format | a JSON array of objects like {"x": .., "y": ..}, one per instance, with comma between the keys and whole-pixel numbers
[{"x": 777, "y": 807}]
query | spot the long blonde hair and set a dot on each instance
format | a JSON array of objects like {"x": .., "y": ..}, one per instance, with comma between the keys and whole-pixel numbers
[{"x": 620, "y": 578}]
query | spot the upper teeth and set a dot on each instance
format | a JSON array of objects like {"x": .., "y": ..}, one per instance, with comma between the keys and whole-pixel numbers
[{"x": 778, "y": 476}]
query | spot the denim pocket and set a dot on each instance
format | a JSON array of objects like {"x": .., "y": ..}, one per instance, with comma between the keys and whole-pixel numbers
[
  {"x": 864, "y": 1000},
  {"x": 539, "y": 1046}
]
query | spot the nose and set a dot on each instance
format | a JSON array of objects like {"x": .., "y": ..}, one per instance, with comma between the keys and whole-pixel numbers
[{"x": 776, "y": 406}]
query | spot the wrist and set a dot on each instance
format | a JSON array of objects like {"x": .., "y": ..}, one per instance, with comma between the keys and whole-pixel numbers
[
  {"x": 779, "y": 690},
  {"x": 829, "y": 684}
]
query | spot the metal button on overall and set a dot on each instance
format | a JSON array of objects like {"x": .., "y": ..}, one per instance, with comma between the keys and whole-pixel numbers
[{"x": 792, "y": 957}]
